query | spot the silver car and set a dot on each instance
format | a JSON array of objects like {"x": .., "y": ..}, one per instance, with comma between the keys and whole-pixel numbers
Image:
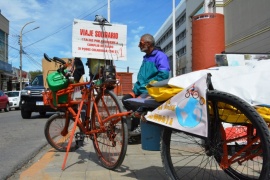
[{"x": 14, "y": 98}]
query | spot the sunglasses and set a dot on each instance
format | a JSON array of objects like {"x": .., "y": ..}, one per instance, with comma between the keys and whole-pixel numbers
[{"x": 142, "y": 43}]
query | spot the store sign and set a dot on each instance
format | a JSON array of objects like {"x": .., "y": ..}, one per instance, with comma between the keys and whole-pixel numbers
[{"x": 92, "y": 40}]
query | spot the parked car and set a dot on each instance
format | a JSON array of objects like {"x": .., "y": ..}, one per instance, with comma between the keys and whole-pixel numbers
[
  {"x": 4, "y": 102},
  {"x": 15, "y": 98},
  {"x": 32, "y": 99}
]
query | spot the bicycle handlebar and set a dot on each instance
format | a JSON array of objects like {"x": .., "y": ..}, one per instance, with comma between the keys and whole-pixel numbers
[
  {"x": 62, "y": 63},
  {"x": 55, "y": 59},
  {"x": 47, "y": 57}
]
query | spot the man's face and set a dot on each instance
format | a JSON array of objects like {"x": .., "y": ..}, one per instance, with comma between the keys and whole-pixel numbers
[{"x": 144, "y": 46}]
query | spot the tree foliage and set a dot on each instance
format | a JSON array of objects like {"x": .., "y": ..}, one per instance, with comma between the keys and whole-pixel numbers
[{"x": 35, "y": 73}]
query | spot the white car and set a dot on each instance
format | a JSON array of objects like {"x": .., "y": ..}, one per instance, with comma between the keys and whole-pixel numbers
[{"x": 14, "y": 98}]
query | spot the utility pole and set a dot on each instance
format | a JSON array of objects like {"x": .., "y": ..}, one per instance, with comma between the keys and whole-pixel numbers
[
  {"x": 21, "y": 50},
  {"x": 173, "y": 40}
]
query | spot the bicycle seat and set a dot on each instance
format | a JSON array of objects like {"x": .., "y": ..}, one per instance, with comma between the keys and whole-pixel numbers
[{"x": 146, "y": 104}]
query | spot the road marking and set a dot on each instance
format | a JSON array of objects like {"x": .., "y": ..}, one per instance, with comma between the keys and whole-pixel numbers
[{"x": 36, "y": 171}]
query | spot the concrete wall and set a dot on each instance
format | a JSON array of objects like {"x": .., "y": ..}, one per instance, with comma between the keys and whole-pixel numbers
[
  {"x": 247, "y": 26},
  {"x": 4, "y": 24}
]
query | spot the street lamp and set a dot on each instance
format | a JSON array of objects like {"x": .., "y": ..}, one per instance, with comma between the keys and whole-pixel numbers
[{"x": 21, "y": 51}]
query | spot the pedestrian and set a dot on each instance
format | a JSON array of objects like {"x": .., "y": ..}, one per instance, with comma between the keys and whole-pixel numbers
[{"x": 155, "y": 66}]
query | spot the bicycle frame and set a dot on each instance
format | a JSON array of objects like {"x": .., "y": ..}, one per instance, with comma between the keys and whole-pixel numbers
[
  {"x": 88, "y": 98},
  {"x": 247, "y": 148}
]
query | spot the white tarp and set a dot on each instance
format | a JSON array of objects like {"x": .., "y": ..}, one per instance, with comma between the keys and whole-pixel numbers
[
  {"x": 249, "y": 82},
  {"x": 186, "y": 113}
]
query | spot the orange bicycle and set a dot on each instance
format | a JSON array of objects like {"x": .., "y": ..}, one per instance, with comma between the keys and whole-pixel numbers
[{"x": 97, "y": 115}]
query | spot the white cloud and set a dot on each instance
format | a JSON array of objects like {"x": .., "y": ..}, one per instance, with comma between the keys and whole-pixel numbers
[
  {"x": 55, "y": 17},
  {"x": 138, "y": 30}
]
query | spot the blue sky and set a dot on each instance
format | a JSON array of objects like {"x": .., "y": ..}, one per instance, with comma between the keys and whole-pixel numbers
[{"x": 55, "y": 17}]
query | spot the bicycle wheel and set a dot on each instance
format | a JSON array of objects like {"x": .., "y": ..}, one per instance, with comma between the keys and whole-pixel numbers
[
  {"x": 57, "y": 135},
  {"x": 237, "y": 134},
  {"x": 195, "y": 94},
  {"x": 110, "y": 146}
]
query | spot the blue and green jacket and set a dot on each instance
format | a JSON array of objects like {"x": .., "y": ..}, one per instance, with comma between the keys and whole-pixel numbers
[{"x": 154, "y": 67}]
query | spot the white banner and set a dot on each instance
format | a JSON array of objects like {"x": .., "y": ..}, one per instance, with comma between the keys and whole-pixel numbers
[
  {"x": 185, "y": 111},
  {"x": 91, "y": 40}
]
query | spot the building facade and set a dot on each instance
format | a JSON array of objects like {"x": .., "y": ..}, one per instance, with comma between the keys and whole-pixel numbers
[
  {"x": 247, "y": 26},
  {"x": 9, "y": 76},
  {"x": 5, "y": 67},
  {"x": 246, "y": 30}
]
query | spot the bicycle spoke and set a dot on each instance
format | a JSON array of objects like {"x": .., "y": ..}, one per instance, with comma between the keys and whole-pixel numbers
[
  {"x": 237, "y": 148},
  {"x": 112, "y": 143},
  {"x": 54, "y": 133}
]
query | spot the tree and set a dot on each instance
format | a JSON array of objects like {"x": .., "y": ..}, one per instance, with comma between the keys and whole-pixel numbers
[{"x": 35, "y": 73}]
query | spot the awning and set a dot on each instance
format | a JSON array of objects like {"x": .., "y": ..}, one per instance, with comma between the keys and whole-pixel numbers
[{"x": 8, "y": 74}]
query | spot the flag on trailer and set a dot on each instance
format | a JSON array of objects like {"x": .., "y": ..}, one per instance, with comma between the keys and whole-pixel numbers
[{"x": 185, "y": 111}]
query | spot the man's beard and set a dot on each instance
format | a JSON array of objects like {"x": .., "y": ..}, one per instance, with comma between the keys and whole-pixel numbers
[{"x": 143, "y": 49}]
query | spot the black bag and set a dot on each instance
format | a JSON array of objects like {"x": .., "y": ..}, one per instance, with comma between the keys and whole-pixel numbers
[
  {"x": 109, "y": 74},
  {"x": 79, "y": 69}
]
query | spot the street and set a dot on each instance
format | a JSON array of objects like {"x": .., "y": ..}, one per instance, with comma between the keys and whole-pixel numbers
[{"x": 21, "y": 139}]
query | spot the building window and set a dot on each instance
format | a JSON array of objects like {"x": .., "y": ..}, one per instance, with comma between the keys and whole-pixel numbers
[
  {"x": 181, "y": 52},
  {"x": 181, "y": 36},
  {"x": 200, "y": 11},
  {"x": 180, "y": 21},
  {"x": 2, "y": 45}
]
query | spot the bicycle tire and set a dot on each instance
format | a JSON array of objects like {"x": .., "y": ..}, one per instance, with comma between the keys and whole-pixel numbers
[
  {"x": 195, "y": 94},
  {"x": 187, "y": 94},
  {"x": 185, "y": 156},
  {"x": 110, "y": 146},
  {"x": 54, "y": 134}
]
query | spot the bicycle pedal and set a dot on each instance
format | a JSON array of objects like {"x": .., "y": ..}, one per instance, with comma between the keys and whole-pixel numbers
[
  {"x": 91, "y": 137},
  {"x": 79, "y": 143},
  {"x": 79, "y": 138}
]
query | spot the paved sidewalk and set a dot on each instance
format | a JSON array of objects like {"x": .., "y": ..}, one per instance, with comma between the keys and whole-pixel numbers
[{"x": 83, "y": 164}]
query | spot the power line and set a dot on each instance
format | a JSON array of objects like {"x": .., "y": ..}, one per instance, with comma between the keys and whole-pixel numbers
[
  {"x": 32, "y": 59},
  {"x": 15, "y": 38},
  {"x": 66, "y": 26}
]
